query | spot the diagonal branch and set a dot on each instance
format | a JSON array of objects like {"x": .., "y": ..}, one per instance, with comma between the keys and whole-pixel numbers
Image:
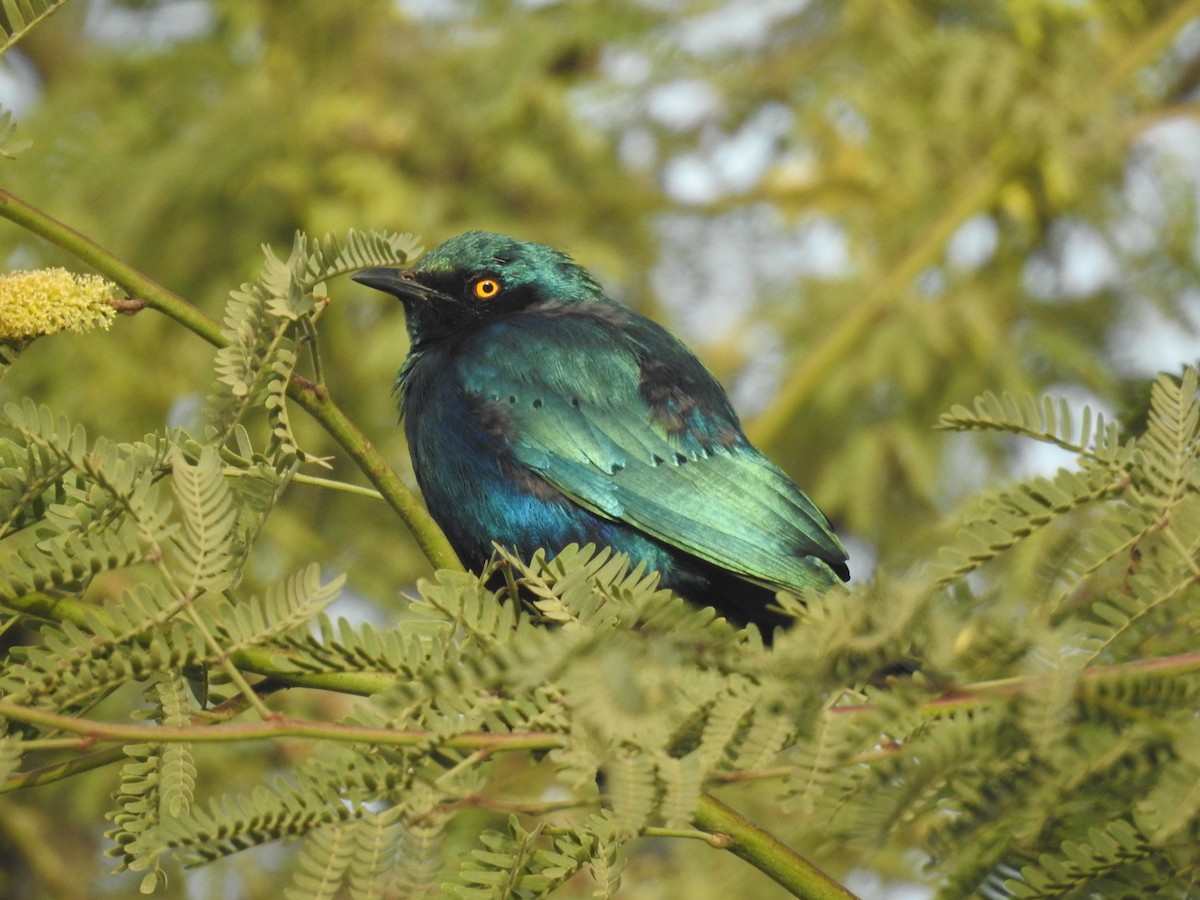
[{"x": 312, "y": 398}]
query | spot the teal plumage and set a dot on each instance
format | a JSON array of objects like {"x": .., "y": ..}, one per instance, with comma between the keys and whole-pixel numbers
[{"x": 540, "y": 413}]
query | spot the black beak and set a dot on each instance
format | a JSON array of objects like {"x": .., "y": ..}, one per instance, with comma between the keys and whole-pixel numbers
[{"x": 400, "y": 283}]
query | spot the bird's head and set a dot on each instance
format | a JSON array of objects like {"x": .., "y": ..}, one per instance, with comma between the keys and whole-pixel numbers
[{"x": 476, "y": 276}]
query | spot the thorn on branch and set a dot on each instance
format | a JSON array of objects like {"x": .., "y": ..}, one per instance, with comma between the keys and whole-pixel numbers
[
  {"x": 127, "y": 306},
  {"x": 318, "y": 390}
]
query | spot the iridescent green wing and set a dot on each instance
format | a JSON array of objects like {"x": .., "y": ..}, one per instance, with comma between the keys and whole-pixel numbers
[{"x": 620, "y": 417}]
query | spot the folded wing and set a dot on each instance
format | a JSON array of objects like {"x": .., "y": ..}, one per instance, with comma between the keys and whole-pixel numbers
[{"x": 668, "y": 458}]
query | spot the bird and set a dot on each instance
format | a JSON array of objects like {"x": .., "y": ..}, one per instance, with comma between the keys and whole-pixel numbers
[{"x": 540, "y": 413}]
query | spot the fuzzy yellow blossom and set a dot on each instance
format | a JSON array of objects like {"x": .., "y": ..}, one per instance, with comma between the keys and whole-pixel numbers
[{"x": 46, "y": 301}]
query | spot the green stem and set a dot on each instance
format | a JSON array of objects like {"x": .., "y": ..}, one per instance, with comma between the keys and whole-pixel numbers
[
  {"x": 1129, "y": 60},
  {"x": 67, "y": 768},
  {"x": 729, "y": 829},
  {"x": 315, "y": 401},
  {"x": 312, "y": 398},
  {"x": 261, "y": 661},
  {"x": 276, "y": 727},
  {"x": 766, "y": 853},
  {"x": 88, "y": 251},
  {"x": 266, "y": 661},
  {"x": 332, "y": 484}
]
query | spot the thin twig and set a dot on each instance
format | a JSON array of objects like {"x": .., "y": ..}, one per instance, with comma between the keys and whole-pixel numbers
[
  {"x": 95, "y": 732},
  {"x": 766, "y": 853}
]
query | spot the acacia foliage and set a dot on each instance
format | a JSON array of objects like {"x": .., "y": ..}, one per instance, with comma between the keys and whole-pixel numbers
[
  {"x": 905, "y": 126},
  {"x": 1044, "y": 748}
]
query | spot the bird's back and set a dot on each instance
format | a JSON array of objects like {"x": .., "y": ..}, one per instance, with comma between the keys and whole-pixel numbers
[{"x": 585, "y": 422}]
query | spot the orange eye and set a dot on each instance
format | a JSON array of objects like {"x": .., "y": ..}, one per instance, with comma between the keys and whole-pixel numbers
[{"x": 487, "y": 288}]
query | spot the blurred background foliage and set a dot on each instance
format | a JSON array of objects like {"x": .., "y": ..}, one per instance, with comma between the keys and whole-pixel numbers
[{"x": 858, "y": 212}]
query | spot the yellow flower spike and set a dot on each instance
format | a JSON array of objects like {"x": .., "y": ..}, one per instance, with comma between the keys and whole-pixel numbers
[{"x": 46, "y": 301}]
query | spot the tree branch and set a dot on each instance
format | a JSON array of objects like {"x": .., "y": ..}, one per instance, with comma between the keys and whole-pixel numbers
[
  {"x": 767, "y": 853},
  {"x": 313, "y": 399},
  {"x": 95, "y": 732}
]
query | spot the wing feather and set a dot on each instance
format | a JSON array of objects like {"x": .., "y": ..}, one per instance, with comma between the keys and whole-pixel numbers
[{"x": 582, "y": 421}]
